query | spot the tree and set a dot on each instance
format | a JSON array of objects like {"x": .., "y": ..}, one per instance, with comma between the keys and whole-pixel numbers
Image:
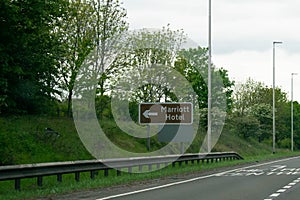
[
  {"x": 263, "y": 114},
  {"x": 254, "y": 100},
  {"x": 109, "y": 27},
  {"x": 137, "y": 66},
  {"x": 77, "y": 33},
  {"x": 28, "y": 54},
  {"x": 193, "y": 65},
  {"x": 90, "y": 27},
  {"x": 247, "y": 126},
  {"x": 246, "y": 95}
]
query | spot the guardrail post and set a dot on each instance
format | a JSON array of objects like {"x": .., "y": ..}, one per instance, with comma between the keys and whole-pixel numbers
[
  {"x": 158, "y": 166},
  {"x": 18, "y": 184},
  {"x": 77, "y": 176},
  {"x": 129, "y": 170},
  {"x": 40, "y": 181},
  {"x": 106, "y": 172},
  {"x": 59, "y": 178},
  {"x": 180, "y": 163},
  {"x": 93, "y": 173},
  {"x": 140, "y": 168},
  {"x": 150, "y": 167},
  {"x": 118, "y": 172}
]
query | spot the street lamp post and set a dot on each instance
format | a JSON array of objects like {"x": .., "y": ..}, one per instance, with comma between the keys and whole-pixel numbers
[
  {"x": 292, "y": 112},
  {"x": 274, "y": 43},
  {"x": 209, "y": 82}
]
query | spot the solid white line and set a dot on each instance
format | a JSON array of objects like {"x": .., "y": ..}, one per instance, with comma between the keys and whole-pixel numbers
[
  {"x": 191, "y": 180},
  {"x": 157, "y": 187}
]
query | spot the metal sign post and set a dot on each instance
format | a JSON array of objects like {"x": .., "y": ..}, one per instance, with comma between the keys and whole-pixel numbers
[{"x": 148, "y": 137}]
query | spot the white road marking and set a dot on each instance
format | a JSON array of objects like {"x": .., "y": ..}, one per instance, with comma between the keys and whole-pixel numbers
[
  {"x": 287, "y": 187},
  {"x": 275, "y": 195},
  {"x": 281, "y": 190},
  {"x": 193, "y": 179},
  {"x": 284, "y": 189}
]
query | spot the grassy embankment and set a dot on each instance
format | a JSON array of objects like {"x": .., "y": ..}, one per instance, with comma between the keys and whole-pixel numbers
[{"x": 22, "y": 140}]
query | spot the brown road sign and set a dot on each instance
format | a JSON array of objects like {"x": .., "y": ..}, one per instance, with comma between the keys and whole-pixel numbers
[{"x": 166, "y": 113}]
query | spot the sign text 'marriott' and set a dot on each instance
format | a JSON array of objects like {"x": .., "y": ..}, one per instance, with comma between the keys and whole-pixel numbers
[{"x": 166, "y": 113}]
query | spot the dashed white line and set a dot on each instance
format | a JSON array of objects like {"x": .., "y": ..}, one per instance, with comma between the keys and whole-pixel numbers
[
  {"x": 284, "y": 189},
  {"x": 275, "y": 195},
  {"x": 281, "y": 190},
  {"x": 287, "y": 187}
]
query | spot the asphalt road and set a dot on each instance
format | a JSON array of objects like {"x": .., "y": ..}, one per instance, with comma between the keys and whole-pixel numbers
[{"x": 268, "y": 181}]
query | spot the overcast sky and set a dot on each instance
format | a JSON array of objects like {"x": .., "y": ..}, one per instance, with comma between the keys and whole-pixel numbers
[{"x": 242, "y": 33}]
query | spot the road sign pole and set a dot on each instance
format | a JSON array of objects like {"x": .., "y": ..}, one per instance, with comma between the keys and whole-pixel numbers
[
  {"x": 148, "y": 137},
  {"x": 181, "y": 147},
  {"x": 209, "y": 83}
]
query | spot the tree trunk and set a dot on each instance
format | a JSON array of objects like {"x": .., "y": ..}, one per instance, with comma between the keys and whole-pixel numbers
[{"x": 70, "y": 103}]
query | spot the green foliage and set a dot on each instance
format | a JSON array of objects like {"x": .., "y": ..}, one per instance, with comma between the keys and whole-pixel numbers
[
  {"x": 138, "y": 62},
  {"x": 253, "y": 100},
  {"x": 246, "y": 126},
  {"x": 103, "y": 107},
  {"x": 193, "y": 65},
  {"x": 27, "y": 49}
]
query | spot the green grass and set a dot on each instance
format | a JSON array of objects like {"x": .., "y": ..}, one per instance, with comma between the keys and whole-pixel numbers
[{"x": 22, "y": 140}]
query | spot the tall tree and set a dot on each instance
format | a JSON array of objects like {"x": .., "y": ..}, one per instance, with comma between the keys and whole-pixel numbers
[
  {"x": 77, "y": 33},
  {"x": 91, "y": 27},
  {"x": 246, "y": 95},
  {"x": 254, "y": 100},
  {"x": 109, "y": 28},
  {"x": 28, "y": 53},
  {"x": 148, "y": 49},
  {"x": 193, "y": 64}
]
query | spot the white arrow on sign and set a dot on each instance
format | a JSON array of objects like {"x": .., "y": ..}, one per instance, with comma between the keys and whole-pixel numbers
[{"x": 148, "y": 114}]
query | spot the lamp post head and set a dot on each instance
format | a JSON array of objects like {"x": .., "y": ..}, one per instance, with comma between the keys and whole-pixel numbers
[
  {"x": 294, "y": 74},
  {"x": 277, "y": 42}
]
